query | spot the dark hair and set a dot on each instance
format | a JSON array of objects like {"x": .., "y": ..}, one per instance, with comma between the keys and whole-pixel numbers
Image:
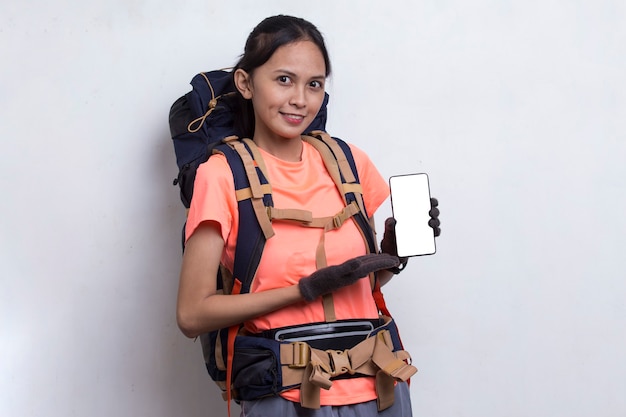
[{"x": 269, "y": 35}]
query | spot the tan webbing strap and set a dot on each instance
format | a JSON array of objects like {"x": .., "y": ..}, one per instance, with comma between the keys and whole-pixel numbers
[
  {"x": 246, "y": 193},
  {"x": 334, "y": 222},
  {"x": 359, "y": 199},
  {"x": 227, "y": 139},
  {"x": 255, "y": 187},
  {"x": 388, "y": 361},
  {"x": 339, "y": 162},
  {"x": 256, "y": 190},
  {"x": 302, "y": 216},
  {"x": 385, "y": 395},
  {"x": 337, "y": 165},
  {"x": 250, "y": 167},
  {"x": 353, "y": 188},
  {"x": 330, "y": 162},
  {"x": 320, "y": 252},
  {"x": 306, "y": 218},
  {"x": 329, "y": 308},
  {"x": 257, "y": 157},
  {"x": 342, "y": 161},
  {"x": 261, "y": 214},
  {"x": 314, "y": 368},
  {"x": 350, "y": 186}
]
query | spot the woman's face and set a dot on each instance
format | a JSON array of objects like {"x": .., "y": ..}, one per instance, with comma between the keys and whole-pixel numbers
[{"x": 287, "y": 92}]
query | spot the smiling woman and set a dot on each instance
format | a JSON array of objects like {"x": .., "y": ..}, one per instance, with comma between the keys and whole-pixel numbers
[
  {"x": 264, "y": 40},
  {"x": 312, "y": 277},
  {"x": 286, "y": 93}
]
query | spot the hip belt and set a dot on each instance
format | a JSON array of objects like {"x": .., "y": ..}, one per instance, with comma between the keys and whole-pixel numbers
[{"x": 264, "y": 366}]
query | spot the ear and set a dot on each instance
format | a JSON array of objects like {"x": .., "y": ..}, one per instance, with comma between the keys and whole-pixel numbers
[{"x": 243, "y": 82}]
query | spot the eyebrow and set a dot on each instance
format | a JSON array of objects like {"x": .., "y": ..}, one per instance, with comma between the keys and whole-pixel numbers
[{"x": 293, "y": 74}]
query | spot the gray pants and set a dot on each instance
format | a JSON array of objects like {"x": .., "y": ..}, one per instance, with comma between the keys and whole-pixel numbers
[{"x": 278, "y": 406}]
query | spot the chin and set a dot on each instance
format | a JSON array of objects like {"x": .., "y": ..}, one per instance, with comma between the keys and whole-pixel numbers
[{"x": 290, "y": 135}]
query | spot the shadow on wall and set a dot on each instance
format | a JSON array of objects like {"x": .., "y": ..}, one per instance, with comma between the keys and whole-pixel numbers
[{"x": 174, "y": 374}]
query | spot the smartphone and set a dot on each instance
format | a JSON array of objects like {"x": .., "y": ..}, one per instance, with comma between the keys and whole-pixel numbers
[{"x": 410, "y": 204}]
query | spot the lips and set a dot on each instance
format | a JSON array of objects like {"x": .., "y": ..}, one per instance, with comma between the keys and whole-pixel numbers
[{"x": 293, "y": 118}]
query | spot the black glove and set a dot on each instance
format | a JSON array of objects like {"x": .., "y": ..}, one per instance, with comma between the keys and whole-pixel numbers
[
  {"x": 331, "y": 278},
  {"x": 434, "y": 216},
  {"x": 389, "y": 245}
]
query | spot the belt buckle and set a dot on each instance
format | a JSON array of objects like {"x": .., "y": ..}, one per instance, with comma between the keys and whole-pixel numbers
[{"x": 301, "y": 355}]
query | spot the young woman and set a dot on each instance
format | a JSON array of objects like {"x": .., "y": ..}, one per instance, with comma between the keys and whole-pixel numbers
[{"x": 281, "y": 78}]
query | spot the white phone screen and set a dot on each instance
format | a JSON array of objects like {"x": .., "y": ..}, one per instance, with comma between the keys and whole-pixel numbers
[{"x": 410, "y": 204}]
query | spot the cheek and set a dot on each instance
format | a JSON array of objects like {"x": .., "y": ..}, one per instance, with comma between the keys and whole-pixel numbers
[
  {"x": 269, "y": 97},
  {"x": 262, "y": 106},
  {"x": 318, "y": 100}
]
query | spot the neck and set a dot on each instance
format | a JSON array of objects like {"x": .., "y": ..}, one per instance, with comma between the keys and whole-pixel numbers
[{"x": 287, "y": 149}]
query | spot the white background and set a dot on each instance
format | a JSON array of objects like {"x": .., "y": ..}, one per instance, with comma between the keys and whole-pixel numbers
[{"x": 516, "y": 109}]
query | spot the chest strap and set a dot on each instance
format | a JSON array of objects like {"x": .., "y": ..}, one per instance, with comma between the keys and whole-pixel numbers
[{"x": 306, "y": 219}]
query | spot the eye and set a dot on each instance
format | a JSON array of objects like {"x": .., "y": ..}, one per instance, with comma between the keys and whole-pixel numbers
[
  {"x": 284, "y": 79},
  {"x": 316, "y": 84}
]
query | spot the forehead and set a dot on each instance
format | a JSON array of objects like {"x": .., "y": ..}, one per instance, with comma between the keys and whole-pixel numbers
[{"x": 300, "y": 57}]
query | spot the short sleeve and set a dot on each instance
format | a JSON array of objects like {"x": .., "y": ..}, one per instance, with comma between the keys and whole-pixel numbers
[{"x": 213, "y": 197}]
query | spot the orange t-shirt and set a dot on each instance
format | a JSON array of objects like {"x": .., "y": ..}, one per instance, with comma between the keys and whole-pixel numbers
[{"x": 290, "y": 254}]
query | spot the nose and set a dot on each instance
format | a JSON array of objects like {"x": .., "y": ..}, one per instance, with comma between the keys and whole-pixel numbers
[{"x": 298, "y": 97}]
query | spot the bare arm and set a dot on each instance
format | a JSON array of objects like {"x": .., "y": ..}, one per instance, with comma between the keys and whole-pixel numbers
[{"x": 200, "y": 308}]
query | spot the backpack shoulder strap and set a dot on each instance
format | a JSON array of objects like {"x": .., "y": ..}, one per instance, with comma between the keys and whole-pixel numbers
[
  {"x": 338, "y": 157},
  {"x": 340, "y": 163},
  {"x": 253, "y": 196}
]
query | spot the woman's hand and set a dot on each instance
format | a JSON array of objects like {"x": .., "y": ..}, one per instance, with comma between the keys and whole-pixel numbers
[{"x": 331, "y": 278}]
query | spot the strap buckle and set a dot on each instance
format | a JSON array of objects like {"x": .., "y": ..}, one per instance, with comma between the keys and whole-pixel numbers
[
  {"x": 301, "y": 355},
  {"x": 340, "y": 362}
]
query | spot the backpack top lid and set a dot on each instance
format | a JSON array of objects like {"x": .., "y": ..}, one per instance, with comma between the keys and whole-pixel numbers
[{"x": 203, "y": 116}]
